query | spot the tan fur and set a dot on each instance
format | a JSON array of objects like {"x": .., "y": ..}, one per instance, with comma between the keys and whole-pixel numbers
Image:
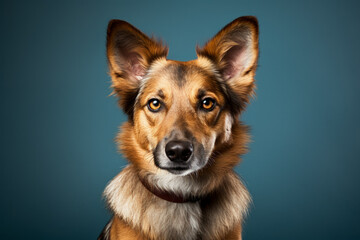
[
  {"x": 121, "y": 230},
  {"x": 224, "y": 71}
]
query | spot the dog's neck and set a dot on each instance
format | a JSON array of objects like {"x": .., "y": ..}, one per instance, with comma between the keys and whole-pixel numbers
[
  {"x": 142, "y": 209},
  {"x": 168, "y": 195}
]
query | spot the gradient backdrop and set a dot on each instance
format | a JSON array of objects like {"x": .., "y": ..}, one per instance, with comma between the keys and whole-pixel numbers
[{"x": 58, "y": 122}]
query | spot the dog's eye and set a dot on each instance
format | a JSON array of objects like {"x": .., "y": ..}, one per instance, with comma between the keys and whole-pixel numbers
[
  {"x": 208, "y": 104},
  {"x": 154, "y": 105}
]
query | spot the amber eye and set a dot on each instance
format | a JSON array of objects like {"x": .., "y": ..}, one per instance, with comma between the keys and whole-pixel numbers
[
  {"x": 208, "y": 104},
  {"x": 154, "y": 105}
]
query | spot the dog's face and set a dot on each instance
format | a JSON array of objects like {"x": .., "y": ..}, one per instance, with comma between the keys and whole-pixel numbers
[{"x": 180, "y": 113}]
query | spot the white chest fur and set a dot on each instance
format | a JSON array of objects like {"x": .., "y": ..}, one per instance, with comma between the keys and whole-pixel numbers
[{"x": 128, "y": 198}]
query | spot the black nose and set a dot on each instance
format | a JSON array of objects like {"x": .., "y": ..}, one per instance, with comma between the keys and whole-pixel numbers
[{"x": 178, "y": 151}]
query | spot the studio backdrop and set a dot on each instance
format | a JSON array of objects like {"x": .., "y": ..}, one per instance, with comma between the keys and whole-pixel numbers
[{"x": 58, "y": 120}]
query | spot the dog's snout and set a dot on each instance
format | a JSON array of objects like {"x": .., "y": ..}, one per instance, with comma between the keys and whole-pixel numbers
[{"x": 179, "y": 151}]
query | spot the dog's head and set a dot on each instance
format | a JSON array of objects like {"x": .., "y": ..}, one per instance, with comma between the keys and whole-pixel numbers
[{"x": 182, "y": 113}]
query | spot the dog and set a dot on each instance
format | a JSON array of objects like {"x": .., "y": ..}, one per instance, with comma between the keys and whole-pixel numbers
[{"x": 183, "y": 137}]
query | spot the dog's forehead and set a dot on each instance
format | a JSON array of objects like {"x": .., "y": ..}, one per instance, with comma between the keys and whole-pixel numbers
[
  {"x": 181, "y": 75},
  {"x": 177, "y": 73},
  {"x": 171, "y": 80}
]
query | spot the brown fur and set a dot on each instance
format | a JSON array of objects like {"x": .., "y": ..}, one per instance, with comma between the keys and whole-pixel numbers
[{"x": 224, "y": 71}]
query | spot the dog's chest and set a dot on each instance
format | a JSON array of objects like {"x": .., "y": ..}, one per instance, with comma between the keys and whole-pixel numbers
[
  {"x": 173, "y": 220},
  {"x": 160, "y": 219},
  {"x": 188, "y": 221}
]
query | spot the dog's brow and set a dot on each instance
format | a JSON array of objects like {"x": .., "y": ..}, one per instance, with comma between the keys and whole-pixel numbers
[
  {"x": 161, "y": 94},
  {"x": 201, "y": 93}
]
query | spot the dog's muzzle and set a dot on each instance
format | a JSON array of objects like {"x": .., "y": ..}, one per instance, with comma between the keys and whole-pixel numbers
[{"x": 179, "y": 154}]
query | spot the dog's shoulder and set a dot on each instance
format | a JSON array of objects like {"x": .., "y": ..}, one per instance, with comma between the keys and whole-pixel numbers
[{"x": 105, "y": 233}]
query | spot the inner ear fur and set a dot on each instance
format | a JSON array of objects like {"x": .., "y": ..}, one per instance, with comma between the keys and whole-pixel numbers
[
  {"x": 130, "y": 53},
  {"x": 234, "y": 51}
]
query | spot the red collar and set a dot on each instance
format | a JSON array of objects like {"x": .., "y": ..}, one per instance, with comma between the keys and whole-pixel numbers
[{"x": 168, "y": 195}]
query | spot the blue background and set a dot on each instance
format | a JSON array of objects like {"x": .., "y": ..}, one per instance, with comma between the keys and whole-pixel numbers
[{"x": 58, "y": 122}]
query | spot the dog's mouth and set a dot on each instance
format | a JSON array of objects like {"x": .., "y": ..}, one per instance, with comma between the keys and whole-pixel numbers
[
  {"x": 192, "y": 164},
  {"x": 176, "y": 170}
]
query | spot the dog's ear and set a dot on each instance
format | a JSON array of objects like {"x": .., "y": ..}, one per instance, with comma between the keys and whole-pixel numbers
[
  {"x": 234, "y": 50},
  {"x": 130, "y": 53}
]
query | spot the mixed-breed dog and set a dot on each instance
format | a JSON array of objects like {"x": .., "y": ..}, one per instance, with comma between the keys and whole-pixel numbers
[{"x": 183, "y": 137}]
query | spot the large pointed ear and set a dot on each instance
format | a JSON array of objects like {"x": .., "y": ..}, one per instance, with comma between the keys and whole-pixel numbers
[
  {"x": 130, "y": 54},
  {"x": 234, "y": 51}
]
